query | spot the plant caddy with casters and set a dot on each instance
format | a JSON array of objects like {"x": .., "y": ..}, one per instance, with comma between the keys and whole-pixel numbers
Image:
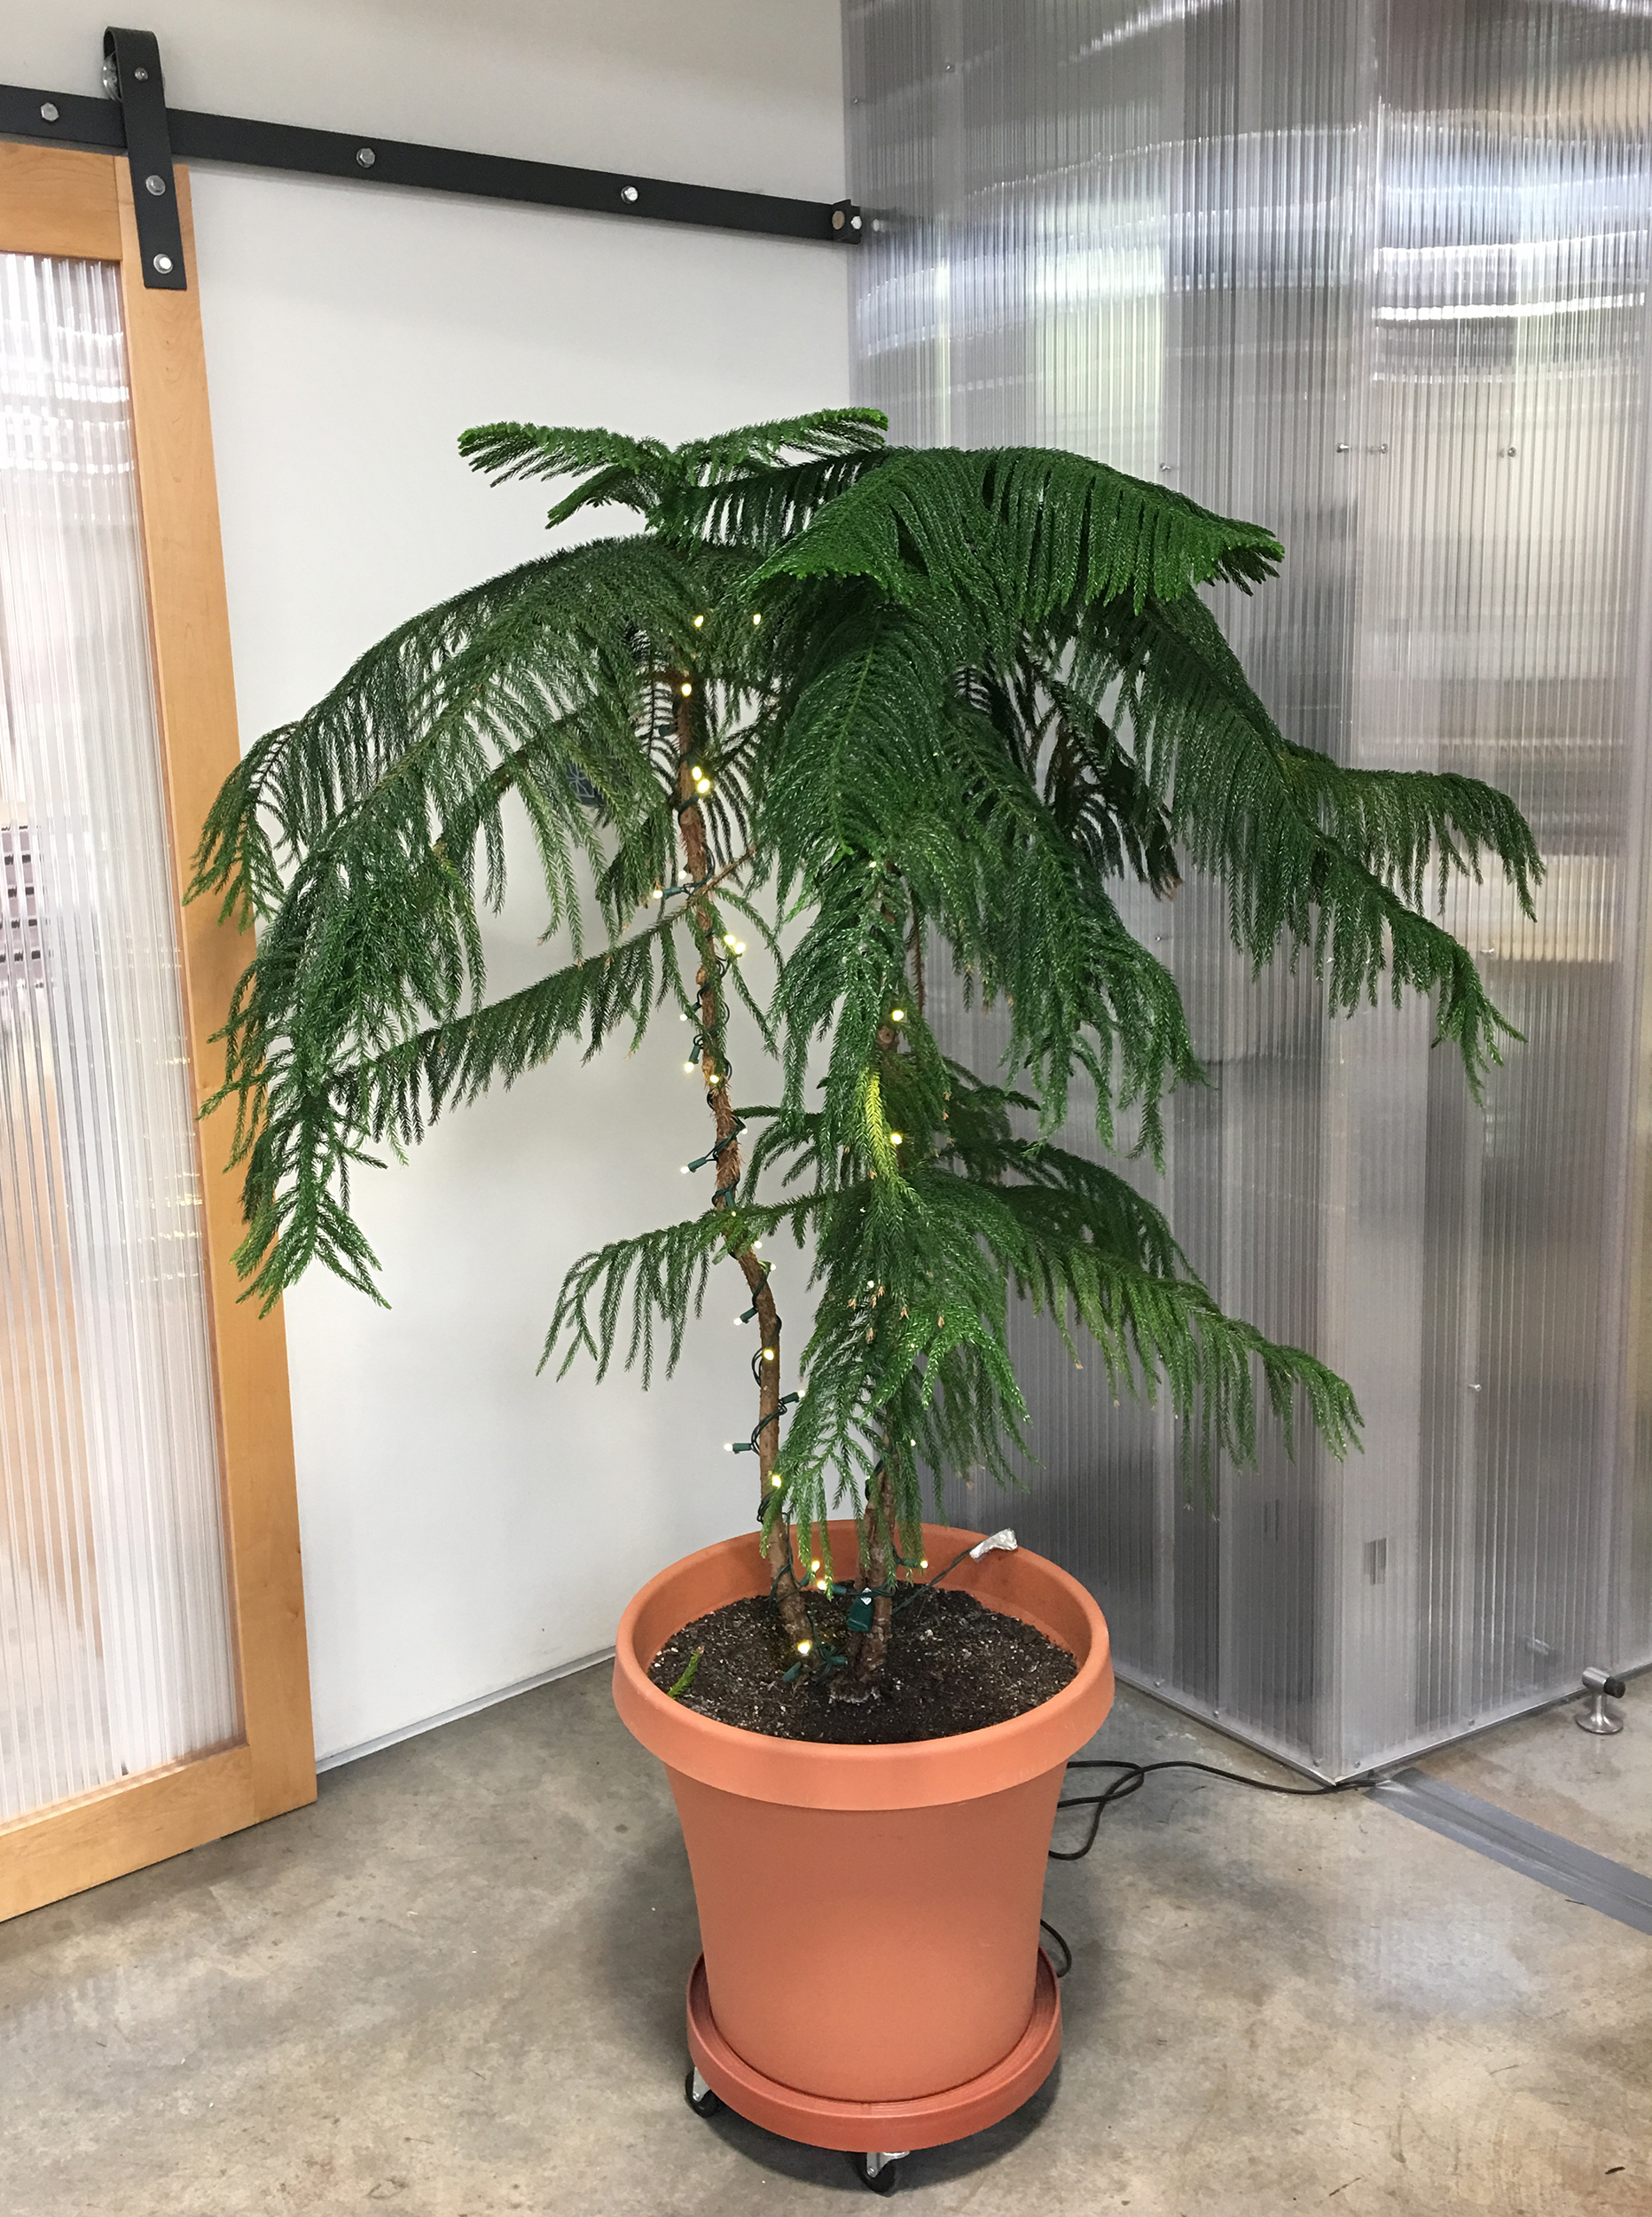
[{"x": 873, "y": 708}]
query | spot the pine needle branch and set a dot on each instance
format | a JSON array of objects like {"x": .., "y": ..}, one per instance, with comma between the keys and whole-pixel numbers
[{"x": 1325, "y": 859}]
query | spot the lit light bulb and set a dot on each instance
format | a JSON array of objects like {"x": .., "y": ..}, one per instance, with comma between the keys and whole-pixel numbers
[
  {"x": 739, "y": 946},
  {"x": 757, "y": 619},
  {"x": 815, "y": 1564},
  {"x": 699, "y": 623},
  {"x": 659, "y": 893},
  {"x": 728, "y": 1447},
  {"x": 684, "y": 1167},
  {"x": 803, "y": 1646},
  {"x": 897, "y": 1015},
  {"x": 923, "y": 1563},
  {"x": 767, "y": 1354},
  {"x": 896, "y": 1137},
  {"x": 777, "y": 1481},
  {"x": 687, "y": 1068},
  {"x": 685, "y": 690},
  {"x": 822, "y": 1585}
]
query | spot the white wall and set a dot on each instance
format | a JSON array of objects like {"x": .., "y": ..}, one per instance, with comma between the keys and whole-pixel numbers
[{"x": 467, "y": 1525}]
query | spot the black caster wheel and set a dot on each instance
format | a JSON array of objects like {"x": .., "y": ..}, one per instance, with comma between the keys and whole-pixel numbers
[
  {"x": 698, "y": 2096},
  {"x": 884, "y": 2179}
]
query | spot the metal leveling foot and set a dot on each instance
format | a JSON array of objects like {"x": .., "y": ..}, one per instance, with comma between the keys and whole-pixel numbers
[{"x": 1600, "y": 1716}]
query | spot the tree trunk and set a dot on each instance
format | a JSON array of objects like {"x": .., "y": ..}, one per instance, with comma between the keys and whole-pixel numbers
[
  {"x": 870, "y": 1652},
  {"x": 713, "y": 1063}
]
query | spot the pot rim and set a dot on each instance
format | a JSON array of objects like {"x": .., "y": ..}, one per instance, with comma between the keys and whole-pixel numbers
[{"x": 908, "y": 1774}]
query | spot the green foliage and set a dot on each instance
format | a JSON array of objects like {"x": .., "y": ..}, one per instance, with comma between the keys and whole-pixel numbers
[
  {"x": 1014, "y": 534},
  {"x": 937, "y": 701},
  {"x": 678, "y": 490},
  {"x": 1331, "y": 861}
]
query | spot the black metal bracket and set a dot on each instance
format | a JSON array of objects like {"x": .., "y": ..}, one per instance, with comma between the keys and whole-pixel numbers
[
  {"x": 132, "y": 74},
  {"x": 137, "y": 119}
]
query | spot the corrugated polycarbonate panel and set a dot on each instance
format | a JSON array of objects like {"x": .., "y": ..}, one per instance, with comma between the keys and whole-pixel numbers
[
  {"x": 1375, "y": 275},
  {"x": 116, "y": 1655}
]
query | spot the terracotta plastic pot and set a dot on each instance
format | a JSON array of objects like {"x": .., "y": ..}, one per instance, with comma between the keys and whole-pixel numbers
[{"x": 872, "y": 1977}]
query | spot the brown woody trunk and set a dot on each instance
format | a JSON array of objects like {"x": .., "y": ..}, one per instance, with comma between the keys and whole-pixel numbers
[
  {"x": 697, "y": 856},
  {"x": 869, "y": 1652}
]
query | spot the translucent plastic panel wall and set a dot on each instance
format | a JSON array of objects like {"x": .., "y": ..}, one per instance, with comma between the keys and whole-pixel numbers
[
  {"x": 1375, "y": 275},
  {"x": 114, "y": 1639}
]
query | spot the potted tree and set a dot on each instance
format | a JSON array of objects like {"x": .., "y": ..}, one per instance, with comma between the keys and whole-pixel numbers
[{"x": 875, "y": 707}]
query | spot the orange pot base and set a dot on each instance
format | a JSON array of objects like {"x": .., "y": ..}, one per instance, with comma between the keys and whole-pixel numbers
[{"x": 866, "y": 2128}]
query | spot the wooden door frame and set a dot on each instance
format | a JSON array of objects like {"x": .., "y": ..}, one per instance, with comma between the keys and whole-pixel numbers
[{"x": 79, "y": 206}]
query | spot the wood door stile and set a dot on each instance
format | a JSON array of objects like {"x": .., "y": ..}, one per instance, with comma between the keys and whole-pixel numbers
[
  {"x": 79, "y": 205},
  {"x": 55, "y": 202}
]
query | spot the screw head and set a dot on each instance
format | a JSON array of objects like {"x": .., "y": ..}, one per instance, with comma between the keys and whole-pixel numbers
[
  {"x": 365, "y": 157},
  {"x": 162, "y": 265},
  {"x": 49, "y": 111},
  {"x": 157, "y": 185},
  {"x": 854, "y": 222},
  {"x": 141, "y": 75},
  {"x": 627, "y": 192}
]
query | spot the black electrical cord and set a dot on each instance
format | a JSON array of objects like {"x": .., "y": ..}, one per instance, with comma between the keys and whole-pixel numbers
[
  {"x": 1133, "y": 1777},
  {"x": 1045, "y": 1925}
]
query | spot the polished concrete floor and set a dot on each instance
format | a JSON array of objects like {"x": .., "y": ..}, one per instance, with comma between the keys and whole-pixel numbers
[{"x": 453, "y": 1988}]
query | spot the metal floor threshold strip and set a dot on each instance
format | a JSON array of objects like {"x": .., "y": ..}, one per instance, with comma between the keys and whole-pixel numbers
[{"x": 1576, "y": 1872}]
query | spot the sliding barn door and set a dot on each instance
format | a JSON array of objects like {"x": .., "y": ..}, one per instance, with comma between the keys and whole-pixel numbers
[{"x": 152, "y": 1682}]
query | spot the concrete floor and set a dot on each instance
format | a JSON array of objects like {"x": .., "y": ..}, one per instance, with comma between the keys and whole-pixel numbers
[
  {"x": 454, "y": 1989},
  {"x": 1595, "y": 1792}
]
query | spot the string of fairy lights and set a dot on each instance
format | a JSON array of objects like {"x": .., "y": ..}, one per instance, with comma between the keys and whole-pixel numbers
[{"x": 813, "y": 1656}]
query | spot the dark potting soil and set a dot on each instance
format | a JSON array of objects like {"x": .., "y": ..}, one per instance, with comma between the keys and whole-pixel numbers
[{"x": 953, "y": 1666}]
